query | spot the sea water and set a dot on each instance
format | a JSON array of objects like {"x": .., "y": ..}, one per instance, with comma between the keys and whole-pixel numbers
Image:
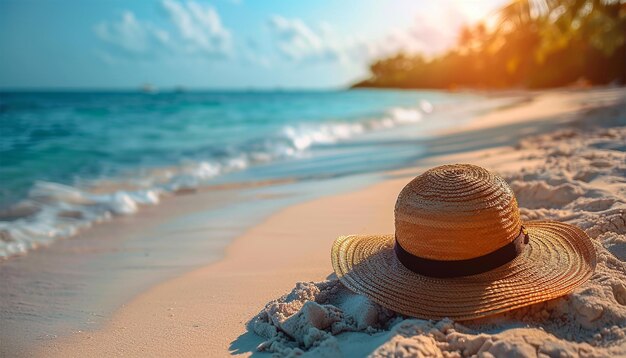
[{"x": 71, "y": 159}]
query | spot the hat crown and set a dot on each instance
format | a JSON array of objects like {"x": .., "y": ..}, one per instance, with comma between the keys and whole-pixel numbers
[{"x": 456, "y": 212}]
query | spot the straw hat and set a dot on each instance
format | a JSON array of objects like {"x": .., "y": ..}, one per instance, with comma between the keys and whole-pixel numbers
[{"x": 460, "y": 250}]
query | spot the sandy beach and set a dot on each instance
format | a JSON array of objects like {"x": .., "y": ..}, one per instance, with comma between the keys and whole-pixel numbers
[
  {"x": 191, "y": 178},
  {"x": 563, "y": 154}
]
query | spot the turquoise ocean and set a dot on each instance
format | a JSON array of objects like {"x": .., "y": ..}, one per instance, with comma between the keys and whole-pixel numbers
[{"x": 72, "y": 159}]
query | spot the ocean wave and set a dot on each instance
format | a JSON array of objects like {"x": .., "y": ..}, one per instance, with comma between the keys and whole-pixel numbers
[
  {"x": 52, "y": 211},
  {"x": 57, "y": 211},
  {"x": 304, "y": 136}
]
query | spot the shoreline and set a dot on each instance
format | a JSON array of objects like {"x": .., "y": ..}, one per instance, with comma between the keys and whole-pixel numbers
[
  {"x": 139, "y": 252},
  {"x": 89, "y": 276},
  {"x": 240, "y": 264}
]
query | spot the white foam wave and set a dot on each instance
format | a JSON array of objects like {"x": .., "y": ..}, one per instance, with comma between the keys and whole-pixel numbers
[
  {"x": 406, "y": 115},
  {"x": 304, "y": 136},
  {"x": 60, "y": 211}
]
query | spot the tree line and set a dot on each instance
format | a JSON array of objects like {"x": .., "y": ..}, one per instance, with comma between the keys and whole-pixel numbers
[{"x": 534, "y": 44}]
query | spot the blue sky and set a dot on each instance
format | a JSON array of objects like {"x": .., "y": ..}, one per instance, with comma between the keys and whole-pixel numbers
[{"x": 217, "y": 44}]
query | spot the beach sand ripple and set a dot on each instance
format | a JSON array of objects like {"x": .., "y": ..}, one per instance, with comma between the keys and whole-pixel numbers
[{"x": 582, "y": 182}]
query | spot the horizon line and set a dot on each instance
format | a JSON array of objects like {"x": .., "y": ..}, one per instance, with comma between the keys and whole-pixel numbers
[{"x": 167, "y": 89}]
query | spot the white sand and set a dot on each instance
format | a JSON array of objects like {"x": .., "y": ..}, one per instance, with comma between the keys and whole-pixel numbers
[
  {"x": 576, "y": 175},
  {"x": 581, "y": 180}
]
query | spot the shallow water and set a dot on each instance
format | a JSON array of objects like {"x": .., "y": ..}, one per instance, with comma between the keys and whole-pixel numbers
[
  {"x": 75, "y": 284},
  {"x": 69, "y": 160}
]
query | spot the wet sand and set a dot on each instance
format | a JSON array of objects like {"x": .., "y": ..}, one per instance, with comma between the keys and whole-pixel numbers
[{"x": 205, "y": 312}]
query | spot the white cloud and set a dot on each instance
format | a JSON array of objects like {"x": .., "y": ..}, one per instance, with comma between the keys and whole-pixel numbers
[
  {"x": 131, "y": 35},
  {"x": 298, "y": 42},
  {"x": 199, "y": 27},
  {"x": 429, "y": 34},
  {"x": 196, "y": 30}
]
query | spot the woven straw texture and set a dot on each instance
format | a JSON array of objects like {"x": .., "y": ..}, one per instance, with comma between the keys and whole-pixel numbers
[
  {"x": 558, "y": 258},
  {"x": 456, "y": 212}
]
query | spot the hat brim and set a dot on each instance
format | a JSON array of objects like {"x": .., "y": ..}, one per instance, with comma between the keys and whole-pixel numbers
[{"x": 558, "y": 258}]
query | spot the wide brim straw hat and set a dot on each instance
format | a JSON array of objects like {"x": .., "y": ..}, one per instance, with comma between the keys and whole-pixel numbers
[{"x": 460, "y": 250}]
